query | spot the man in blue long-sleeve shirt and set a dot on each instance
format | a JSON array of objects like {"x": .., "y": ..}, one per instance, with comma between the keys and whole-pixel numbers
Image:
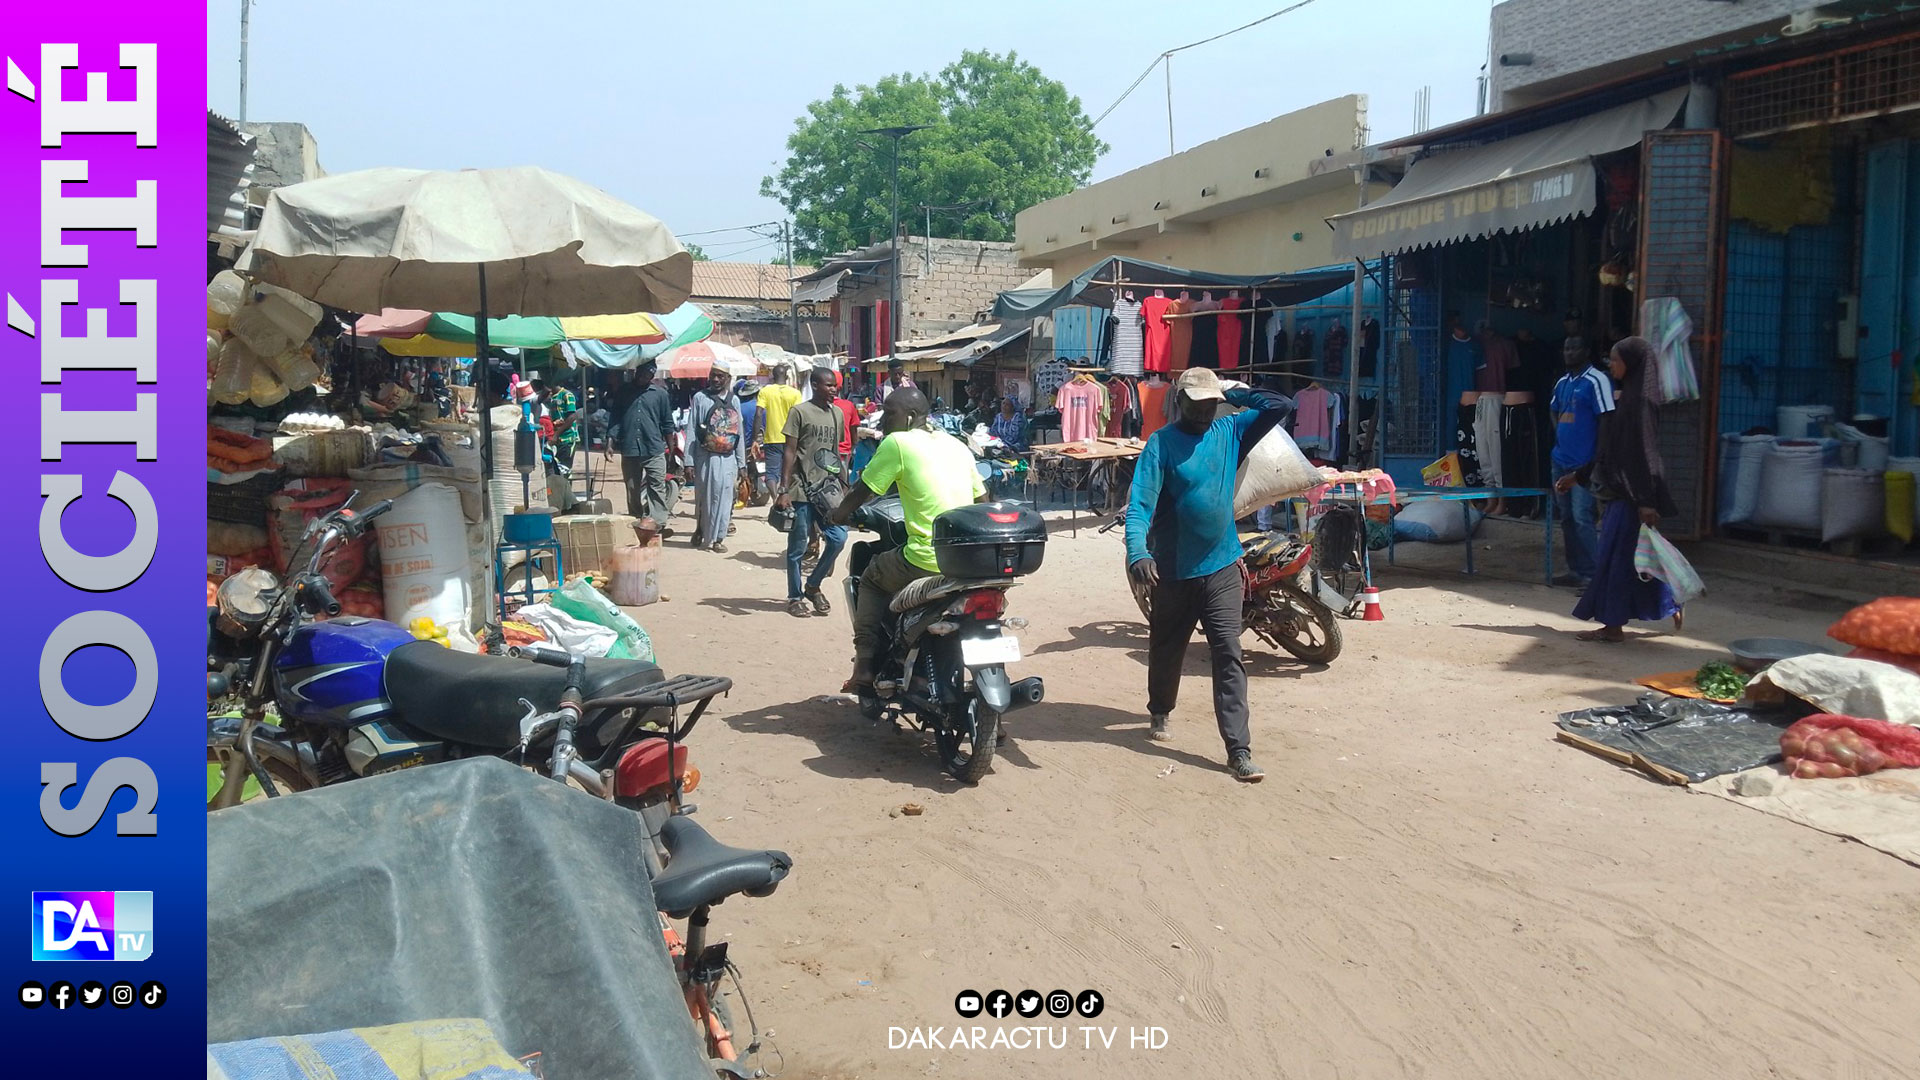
[{"x": 1183, "y": 543}]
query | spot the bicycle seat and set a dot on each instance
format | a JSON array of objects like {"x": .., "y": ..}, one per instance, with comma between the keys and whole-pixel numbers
[{"x": 702, "y": 871}]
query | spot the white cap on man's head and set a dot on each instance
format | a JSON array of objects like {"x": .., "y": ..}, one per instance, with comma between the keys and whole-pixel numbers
[{"x": 1200, "y": 384}]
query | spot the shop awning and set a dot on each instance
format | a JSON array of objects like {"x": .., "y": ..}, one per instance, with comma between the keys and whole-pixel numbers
[
  {"x": 1095, "y": 286},
  {"x": 819, "y": 290},
  {"x": 1000, "y": 338},
  {"x": 1530, "y": 180}
]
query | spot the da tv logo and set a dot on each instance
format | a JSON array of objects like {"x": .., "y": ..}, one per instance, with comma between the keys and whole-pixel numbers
[{"x": 92, "y": 925}]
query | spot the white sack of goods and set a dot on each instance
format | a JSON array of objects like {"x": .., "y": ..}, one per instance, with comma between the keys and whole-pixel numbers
[
  {"x": 424, "y": 562},
  {"x": 1273, "y": 470}
]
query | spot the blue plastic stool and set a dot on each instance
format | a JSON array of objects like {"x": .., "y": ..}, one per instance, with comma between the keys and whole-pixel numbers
[{"x": 535, "y": 551}]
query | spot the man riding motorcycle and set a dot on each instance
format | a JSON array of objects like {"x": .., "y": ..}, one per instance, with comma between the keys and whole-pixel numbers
[{"x": 935, "y": 473}]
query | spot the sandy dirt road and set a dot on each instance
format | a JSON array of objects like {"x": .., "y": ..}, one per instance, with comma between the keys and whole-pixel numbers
[{"x": 1426, "y": 885}]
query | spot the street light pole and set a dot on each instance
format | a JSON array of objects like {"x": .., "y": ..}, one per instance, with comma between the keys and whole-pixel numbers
[
  {"x": 893, "y": 245},
  {"x": 246, "y": 9}
]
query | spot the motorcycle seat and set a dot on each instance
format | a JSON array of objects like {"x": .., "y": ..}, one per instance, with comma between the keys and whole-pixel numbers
[
  {"x": 474, "y": 699},
  {"x": 923, "y": 591},
  {"x": 702, "y": 871}
]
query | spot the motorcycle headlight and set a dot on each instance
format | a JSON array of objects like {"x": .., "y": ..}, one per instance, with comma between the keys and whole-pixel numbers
[{"x": 244, "y": 599}]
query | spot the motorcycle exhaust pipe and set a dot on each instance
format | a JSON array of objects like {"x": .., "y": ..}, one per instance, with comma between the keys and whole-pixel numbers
[{"x": 1029, "y": 691}]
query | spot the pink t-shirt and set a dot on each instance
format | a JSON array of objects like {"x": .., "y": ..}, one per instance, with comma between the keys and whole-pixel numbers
[{"x": 1079, "y": 405}]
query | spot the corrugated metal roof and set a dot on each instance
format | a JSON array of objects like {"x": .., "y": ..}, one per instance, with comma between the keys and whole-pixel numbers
[
  {"x": 743, "y": 281},
  {"x": 229, "y": 172},
  {"x": 740, "y": 313}
]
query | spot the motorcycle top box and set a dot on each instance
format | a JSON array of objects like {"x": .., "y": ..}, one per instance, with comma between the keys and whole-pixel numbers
[{"x": 989, "y": 540}]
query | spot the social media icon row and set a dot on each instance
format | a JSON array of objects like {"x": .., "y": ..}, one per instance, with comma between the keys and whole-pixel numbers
[
  {"x": 1029, "y": 1003},
  {"x": 92, "y": 995}
]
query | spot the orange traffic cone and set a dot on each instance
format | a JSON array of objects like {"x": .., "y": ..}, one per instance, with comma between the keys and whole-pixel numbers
[{"x": 1374, "y": 613}]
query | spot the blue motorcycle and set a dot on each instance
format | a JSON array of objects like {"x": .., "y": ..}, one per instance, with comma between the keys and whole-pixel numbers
[{"x": 299, "y": 698}]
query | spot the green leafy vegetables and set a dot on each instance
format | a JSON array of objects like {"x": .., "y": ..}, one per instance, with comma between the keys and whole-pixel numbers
[{"x": 1720, "y": 681}]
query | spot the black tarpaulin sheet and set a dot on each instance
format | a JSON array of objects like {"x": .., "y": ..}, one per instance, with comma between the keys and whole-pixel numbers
[
  {"x": 468, "y": 889},
  {"x": 1696, "y": 738}
]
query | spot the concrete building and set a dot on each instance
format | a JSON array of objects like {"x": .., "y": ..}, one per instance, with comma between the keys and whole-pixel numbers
[
  {"x": 1252, "y": 202},
  {"x": 1545, "y": 48},
  {"x": 283, "y": 154},
  {"x": 944, "y": 285},
  {"x": 752, "y": 302}
]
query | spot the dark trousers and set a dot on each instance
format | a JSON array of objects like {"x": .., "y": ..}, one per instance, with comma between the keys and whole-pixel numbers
[{"x": 1214, "y": 603}]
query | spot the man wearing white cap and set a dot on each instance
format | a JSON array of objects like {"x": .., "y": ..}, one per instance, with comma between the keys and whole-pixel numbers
[{"x": 1183, "y": 544}]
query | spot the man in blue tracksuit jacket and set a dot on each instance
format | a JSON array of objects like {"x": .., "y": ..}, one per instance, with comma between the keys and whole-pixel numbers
[{"x": 1183, "y": 543}]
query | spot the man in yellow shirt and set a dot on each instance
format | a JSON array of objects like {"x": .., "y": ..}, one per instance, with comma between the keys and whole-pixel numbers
[
  {"x": 776, "y": 401},
  {"x": 935, "y": 472}
]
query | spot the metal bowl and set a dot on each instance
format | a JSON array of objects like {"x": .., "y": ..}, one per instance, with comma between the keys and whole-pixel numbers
[{"x": 1758, "y": 654}]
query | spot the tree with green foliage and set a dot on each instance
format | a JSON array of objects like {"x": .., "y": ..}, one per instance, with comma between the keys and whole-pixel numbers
[
  {"x": 699, "y": 253},
  {"x": 1004, "y": 136}
]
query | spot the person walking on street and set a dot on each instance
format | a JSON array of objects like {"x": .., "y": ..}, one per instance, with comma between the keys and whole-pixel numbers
[
  {"x": 643, "y": 448},
  {"x": 777, "y": 399},
  {"x": 1580, "y": 399},
  {"x": 1183, "y": 545},
  {"x": 718, "y": 451},
  {"x": 934, "y": 472},
  {"x": 751, "y": 420},
  {"x": 816, "y": 483},
  {"x": 1629, "y": 480}
]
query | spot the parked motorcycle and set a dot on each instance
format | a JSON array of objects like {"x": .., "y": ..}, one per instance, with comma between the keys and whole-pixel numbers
[
  {"x": 1285, "y": 601},
  {"x": 943, "y": 659},
  {"x": 352, "y": 697}
]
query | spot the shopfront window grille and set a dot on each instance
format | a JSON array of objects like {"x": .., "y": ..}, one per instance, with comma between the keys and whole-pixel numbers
[{"x": 1873, "y": 79}]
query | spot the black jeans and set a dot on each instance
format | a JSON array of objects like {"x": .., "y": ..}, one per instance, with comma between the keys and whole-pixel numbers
[{"x": 1214, "y": 603}]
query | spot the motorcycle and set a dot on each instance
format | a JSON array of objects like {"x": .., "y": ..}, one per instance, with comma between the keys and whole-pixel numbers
[
  {"x": 352, "y": 697},
  {"x": 943, "y": 658},
  {"x": 1285, "y": 602}
]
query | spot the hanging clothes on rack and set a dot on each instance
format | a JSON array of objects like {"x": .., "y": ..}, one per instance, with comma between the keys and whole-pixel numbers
[
  {"x": 1079, "y": 403},
  {"x": 1103, "y": 356},
  {"x": 1206, "y": 334},
  {"x": 1179, "y": 335},
  {"x": 1231, "y": 331},
  {"x": 1467, "y": 445},
  {"x": 1333, "y": 351},
  {"x": 1156, "y": 331},
  {"x": 1316, "y": 421},
  {"x": 1276, "y": 335},
  {"x": 1302, "y": 344},
  {"x": 1119, "y": 405},
  {"x": 1048, "y": 379},
  {"x": 1129, "y": 353},
  {"x": 1154, "y": 393},
  {"x": 1520, "y": 450},
  {"x": 1369, "y": 347}
]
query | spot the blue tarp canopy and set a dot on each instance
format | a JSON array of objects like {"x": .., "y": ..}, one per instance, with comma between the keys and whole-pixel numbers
[{"x": 1095, "y": 286}]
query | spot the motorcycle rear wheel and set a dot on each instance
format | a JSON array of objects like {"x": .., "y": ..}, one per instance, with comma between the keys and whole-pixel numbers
[
  {"x": 967, "y": 752},
  {"x": 1300, "y": 624}
]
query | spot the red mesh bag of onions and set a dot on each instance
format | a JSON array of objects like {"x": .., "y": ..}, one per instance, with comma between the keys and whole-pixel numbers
[{"x": 1824, "y": 745}]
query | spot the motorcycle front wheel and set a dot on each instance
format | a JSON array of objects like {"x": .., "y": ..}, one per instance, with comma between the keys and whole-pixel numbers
[
  {"x": 967, "y": 746},
  {"x": 1299, "y": 624}
]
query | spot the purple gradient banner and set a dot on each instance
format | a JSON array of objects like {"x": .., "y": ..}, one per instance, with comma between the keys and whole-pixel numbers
[{"x": 102, "y": 467}]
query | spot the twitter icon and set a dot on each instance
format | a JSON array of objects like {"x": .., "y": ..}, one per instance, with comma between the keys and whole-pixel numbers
[{"x": 92, "y": 994}]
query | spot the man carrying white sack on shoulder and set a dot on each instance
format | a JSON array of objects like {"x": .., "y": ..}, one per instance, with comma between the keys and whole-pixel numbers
[{"x": 1184, "y": 544}]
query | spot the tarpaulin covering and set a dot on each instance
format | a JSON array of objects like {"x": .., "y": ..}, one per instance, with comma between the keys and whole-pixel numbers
[
  {"x": 467, "y": 889},
  {"x": 1697, "y": 738},
  {"x": 1524, "y": 182},
  {"x": 1281, "y": 289}
]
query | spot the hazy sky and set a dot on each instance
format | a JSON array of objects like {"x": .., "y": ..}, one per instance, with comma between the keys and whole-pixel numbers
[{"x": 681, "y": 108}]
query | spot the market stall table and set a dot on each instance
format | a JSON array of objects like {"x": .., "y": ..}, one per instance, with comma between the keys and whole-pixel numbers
[{"x": 1096, "y": 453}]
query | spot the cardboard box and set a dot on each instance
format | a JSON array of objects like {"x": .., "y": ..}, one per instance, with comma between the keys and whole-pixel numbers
[
  {"x": 588, "y": 541},
  {"x": 1444, "y": 473}
]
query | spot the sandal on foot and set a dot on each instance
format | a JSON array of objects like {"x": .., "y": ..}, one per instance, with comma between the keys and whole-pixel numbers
[{"x": 799, "y": 609}]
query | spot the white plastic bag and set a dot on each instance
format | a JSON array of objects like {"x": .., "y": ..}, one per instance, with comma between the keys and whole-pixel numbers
[
  {"x": 580, "y": 599},
  {"x": 1435, "y": 521},
  {"x": 1273, "y": 470},
  {"x": 574, "y": 635},
  {"x": 423, "y": 562},
  {"x": 1656, "y": 559}
]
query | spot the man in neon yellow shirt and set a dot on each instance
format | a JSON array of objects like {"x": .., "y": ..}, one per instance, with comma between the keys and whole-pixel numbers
[
  {"x": 776, "y": 401},
  {"x": 935, "y": 472}
]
